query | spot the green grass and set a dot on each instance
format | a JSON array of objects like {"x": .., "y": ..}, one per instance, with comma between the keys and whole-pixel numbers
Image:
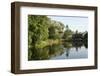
[{"x": 42, "y": 44}]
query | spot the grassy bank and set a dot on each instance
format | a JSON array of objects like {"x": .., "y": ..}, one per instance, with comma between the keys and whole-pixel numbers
[{"x": 42, "y": 44}]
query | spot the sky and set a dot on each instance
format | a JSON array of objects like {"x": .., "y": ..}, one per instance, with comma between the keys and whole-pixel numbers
[{"x": 74, "y": 23}]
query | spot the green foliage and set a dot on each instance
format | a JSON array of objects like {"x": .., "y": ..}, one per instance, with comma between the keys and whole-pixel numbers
[
  {"x": 41, "y": 44},
  {"x": 37, "y": 29},
  {"x": 53, "y": 34},
  {"x": 55, "y": 29},
  {"x": 44, "y": 35},
  {"x": 41, "y": 28},
  {"x": 67, "y": 33}
]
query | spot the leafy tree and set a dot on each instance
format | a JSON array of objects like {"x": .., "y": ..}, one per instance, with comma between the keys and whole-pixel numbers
[
  {"x": 37, "y": 28},
  {"x": 52, "y": 32},
  {"x": 85, "y": 39},
  {"x": 67, "y": 33},
  {"x": 86, "y": 36},
  {"x": 55, "y": 29}
]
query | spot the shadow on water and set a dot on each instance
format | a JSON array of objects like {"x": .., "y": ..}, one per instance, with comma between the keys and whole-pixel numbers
[
  {"x": 74, "y": 44},
  {"x": 52, "y": 51},
  {"x": 77, "y": 45},
  {"x": 45, "y": 53}
]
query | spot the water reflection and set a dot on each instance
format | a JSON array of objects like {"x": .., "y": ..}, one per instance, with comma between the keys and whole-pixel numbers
[
  {"x": 75, "y": 47},
  {"x": 77, "y": 44},
  {"x": 65, "y": 50}
]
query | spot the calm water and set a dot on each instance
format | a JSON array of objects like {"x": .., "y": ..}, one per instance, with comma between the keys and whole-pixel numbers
[{"x": 66, "y": 50}]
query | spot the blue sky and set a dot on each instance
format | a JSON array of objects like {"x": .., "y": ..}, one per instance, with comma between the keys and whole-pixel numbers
[{"x": 74, "y": 23}]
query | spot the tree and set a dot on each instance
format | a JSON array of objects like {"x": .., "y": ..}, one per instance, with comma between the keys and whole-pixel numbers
[
  {"x": 55, "y": 29},
  {"x": 86, "y": 36},
  {"x": 85, "y": 39},
  {"x": 67, "y": 33},
  {"x": 37, "y": 28}
]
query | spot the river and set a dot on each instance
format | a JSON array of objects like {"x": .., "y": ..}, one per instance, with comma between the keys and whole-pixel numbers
[{"x": 66, "y": 50}]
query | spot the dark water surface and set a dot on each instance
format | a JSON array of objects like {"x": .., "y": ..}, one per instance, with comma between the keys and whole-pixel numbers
[{"x": 66, "y": 50}]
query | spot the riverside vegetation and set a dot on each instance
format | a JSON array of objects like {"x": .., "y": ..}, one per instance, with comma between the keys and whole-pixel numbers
[{"x": 47, "y": 38}]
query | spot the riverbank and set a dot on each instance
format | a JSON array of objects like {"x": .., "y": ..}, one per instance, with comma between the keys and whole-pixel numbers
[{"x": 49, "y": 42}]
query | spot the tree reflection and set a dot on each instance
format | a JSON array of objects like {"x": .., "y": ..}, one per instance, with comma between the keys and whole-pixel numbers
[
  {"x": 55, "y": 50},
  {"x": 86, "y": 44},
  {"x": 45, "y": 53},
  {"x": 77, "y": 44},
  {"x": 38, "y": 53},
  {"x": 52, "y": 51},
  {"x": 67, "y": 46},
  {"x": 74, "y": 44}
]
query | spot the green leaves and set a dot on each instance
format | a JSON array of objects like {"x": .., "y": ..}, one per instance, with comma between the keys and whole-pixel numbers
[
  {"x": 55, "y": 29},
  {"x": 67, "y": 34},
  {"x": 41, "y": 28},
  {"x": 37, "y": 28}
]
